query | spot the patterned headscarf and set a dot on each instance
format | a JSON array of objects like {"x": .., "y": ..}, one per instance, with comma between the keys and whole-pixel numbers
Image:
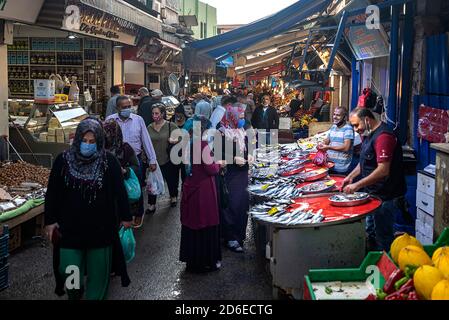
[
  {"x": 229, "y": 123},
  {"x": 114, "y": 139},
  {"x": 84, "y": 173}
]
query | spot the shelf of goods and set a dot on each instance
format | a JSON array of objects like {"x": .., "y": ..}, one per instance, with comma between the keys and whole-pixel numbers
[
  {"x": 38, "y": 58},
  {"x": 297, "y": 226},
  {"x": 420, "y": 273}
]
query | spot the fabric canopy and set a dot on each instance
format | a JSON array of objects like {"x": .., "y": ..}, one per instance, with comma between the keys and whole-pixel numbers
[{"x": 255, "y": 32}]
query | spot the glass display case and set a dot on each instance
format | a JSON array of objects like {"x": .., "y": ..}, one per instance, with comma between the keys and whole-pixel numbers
[{"x": 46, "y": 130}]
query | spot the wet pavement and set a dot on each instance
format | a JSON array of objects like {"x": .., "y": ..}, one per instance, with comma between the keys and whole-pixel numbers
[{"x": 156, "y": 273}]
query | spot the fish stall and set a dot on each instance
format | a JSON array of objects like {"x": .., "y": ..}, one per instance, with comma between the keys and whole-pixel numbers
[{"x": 300, "y": 218}]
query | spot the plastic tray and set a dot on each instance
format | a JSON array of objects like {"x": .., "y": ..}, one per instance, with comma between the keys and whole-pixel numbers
[
  {"x": 4, "y": 240},
  {"x": 4, "y": 277}
]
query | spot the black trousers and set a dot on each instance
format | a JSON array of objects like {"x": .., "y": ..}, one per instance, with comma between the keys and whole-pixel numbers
[{"x": 170, "y": 172}]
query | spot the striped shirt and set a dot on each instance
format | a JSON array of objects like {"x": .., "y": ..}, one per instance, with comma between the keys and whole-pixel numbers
[
  {"x": 136, "y": 135},
  {"x": 337, "y": 137}
]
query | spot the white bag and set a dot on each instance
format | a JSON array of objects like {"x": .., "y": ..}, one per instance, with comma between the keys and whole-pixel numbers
[{"x": 155, "y": 183}]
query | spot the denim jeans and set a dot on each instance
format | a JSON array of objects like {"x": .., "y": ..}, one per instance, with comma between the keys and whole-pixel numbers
[{"x": 380, "y": 225}]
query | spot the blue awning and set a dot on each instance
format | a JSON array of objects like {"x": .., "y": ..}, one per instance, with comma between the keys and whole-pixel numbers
[{"x": 255, "y": 32}]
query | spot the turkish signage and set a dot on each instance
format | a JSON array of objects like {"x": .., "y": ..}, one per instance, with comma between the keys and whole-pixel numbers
[
  {"x": 14, "y": 10},
  {"x": 102, "y": 25}
]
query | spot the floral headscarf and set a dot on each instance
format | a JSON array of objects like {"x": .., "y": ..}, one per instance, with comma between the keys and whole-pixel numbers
[
  {"x": 84, "y": 173},
  {"x": 229, "y": 124},
  {"x": 114, "y": 139}
]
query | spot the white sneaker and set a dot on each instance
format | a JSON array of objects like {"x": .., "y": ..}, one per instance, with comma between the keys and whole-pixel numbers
[
  {"x": 234, "y": 245},
  {"x": 218, "y": 264}
]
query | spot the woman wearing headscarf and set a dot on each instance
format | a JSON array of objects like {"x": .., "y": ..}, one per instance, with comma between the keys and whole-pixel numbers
[
  {"x": 85, "y": 204},
  {"x": 234, "y": 217},
  {"x": 200, "y": 233},
  {"x": 126, "y": 157}
]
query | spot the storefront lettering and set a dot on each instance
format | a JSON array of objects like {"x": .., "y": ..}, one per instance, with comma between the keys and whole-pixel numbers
[
  {"x": 98, "y": 31},
  {"x": 3, "y": 4}
]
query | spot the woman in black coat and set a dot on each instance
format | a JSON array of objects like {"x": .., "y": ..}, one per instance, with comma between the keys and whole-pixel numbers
[{"x": 85, "y": 204}]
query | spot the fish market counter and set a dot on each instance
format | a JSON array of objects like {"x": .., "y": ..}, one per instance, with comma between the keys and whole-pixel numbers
[
  {"x": 300, "y": 221},
  {"x": 292, "y": 250}
]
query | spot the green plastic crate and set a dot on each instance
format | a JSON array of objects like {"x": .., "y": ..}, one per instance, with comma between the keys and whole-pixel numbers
[{"x": 381, "y": 259}]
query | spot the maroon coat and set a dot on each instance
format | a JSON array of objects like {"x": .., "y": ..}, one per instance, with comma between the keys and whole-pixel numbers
[{"x": 199, "y": 203}]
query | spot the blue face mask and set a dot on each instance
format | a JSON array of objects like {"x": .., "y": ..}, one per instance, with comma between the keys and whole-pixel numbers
[
  {"x": 125, "y": 113},
  {"x": 241, "y": 123},
  {"x": 87, "y": 149}
]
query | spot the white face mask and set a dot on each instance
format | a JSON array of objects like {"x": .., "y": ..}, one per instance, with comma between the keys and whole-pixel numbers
[{"x": 367, "y": 131}]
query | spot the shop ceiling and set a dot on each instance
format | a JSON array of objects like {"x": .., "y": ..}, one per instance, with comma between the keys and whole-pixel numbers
[{"x": 314, "y": 27}]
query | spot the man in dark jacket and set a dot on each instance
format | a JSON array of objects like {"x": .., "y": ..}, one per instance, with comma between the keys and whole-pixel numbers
[
  {"x": 144, "y": 108},
  {"x": 265, "y": 117}
]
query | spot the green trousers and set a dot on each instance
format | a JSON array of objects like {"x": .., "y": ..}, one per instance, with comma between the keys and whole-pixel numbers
[{"x": 96, "y": 263}]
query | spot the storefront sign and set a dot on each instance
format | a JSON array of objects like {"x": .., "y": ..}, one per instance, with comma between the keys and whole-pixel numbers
[
  {"x": 367, "y": 44},
  {"x": 14, "y": 10},
  {"x": 98, "y": 24}
]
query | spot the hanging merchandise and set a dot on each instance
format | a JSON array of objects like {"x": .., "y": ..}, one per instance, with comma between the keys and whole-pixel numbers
[
  {"x": 433, "y": 124},
  {"x": 368, "y": 99},
  {"x": 74, "y": 92}
]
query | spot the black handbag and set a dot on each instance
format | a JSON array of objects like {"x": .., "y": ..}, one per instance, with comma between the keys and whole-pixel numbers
[{"x": 224, "y": 191}]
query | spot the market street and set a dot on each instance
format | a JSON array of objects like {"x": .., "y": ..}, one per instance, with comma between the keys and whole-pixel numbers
[{"x": 156, "y": 273}]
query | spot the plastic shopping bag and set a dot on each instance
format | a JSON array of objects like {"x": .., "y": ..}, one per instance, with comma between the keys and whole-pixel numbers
[
  {"x": 128, "y": 243},
  {"x": 132, "y": 186},
  {"x": 155, "y": 183}
]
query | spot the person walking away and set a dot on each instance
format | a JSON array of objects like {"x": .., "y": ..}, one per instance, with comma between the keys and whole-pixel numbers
[
  {"x": 123, "y": 152},
  {"x": 145, "y": 104},
  {"x": 112, "y": 103},
  {"x": 265, "y": 119},
  {"x": 160, "y": 132},
  {"x": 136, "y": 135},
  {"x": 203, "y": 108},
  {"x": 200, "y": 232},
  {"x": 85, "y": 204},
  {"x": 339, "y": 143},
  {"x": 381, "y": 171},
  {"x": 180, "y": 120},
  {"x": 235, "y": 152},
  {"x": 252, "y": 106}
]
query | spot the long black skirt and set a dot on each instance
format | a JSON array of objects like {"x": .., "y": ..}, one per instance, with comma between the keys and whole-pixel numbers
[{"x": 200, "y": 249}]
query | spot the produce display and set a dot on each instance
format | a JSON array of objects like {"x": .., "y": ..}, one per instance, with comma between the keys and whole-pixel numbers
[
  {"x": 419, "y": 277},
  {"x": 14, "y": 174}
]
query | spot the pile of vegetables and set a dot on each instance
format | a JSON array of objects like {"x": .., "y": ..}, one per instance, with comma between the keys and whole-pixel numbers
[{"x": 419, "y": 276}]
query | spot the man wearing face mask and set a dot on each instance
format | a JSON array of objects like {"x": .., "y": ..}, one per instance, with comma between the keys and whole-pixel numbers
[
  {"x": 381, "y": 174},
  {"x": 135, "y": 133},
  {"x": 339, "y": 142}
]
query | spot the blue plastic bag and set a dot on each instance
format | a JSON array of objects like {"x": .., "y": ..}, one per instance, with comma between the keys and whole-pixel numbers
[
  {"x": 128, "y": 243},
  {"x": 133, "y": 187}
]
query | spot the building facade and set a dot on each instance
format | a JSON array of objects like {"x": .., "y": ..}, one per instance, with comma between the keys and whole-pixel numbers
[{"x": 206, "y": 16}]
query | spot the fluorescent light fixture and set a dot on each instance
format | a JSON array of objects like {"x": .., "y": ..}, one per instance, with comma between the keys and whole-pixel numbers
[{"x": 71, "y": 36}]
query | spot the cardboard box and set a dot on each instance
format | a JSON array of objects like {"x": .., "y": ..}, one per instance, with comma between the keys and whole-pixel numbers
[
  {"x": 43, "y": 137},
  {"x": 51, "y": 139},
  {"x": 59, "y": 132},
  {"x": 44, "y": 91},
  {"x": 60, "y": 139},
  {"x": 51, "y": 131},
  {"x": 53, "y": 123}
]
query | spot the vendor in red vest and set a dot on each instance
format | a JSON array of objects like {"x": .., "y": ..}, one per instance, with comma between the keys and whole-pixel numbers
[{"x": 381, "y": 174}]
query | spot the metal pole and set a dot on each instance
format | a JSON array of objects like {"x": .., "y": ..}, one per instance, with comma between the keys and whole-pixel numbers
[
  {"x": 303, "y": 59},
  {"x": 341, "y": 29},
  {"x": 407, "y": 56},
  {"x": 355, "y": 84},
  {"x": 393, "y": 85}
]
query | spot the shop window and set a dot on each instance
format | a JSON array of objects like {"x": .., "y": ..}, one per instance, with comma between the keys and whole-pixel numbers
[{"x": 153, "y": 78}]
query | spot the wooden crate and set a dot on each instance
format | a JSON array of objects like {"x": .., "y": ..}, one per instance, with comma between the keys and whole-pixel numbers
[
  {"x": 318, "y": 127},
  {"x": 15, "y": 238}
]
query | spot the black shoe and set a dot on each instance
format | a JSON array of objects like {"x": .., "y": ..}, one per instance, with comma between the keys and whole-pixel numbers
[{"x": 150, "y": 212}]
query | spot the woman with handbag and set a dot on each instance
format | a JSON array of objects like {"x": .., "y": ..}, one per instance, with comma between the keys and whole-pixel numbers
[
  {"x": 128, "y": 161},
  {"x": 200, "y": 219},
  {"x": 85, "y": 203},
  {"x": 160, "y": 132}
]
